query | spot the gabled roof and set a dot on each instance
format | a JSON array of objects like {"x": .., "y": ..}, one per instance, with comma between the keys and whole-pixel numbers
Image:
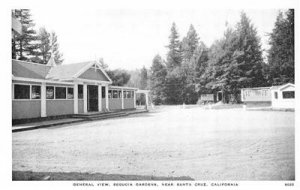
[
  {"x": 280, "y": 87},
  {"x": 60, "y": 72},
  {"x": 66, "y": 71},
  {"x": 29, "y": 70}
]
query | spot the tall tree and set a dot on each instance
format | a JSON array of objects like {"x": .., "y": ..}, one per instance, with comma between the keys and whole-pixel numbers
[
  {"x": 237, "y": 60},
  {"x": 58, "y": 56},
  {"x": 23, "y": 45},
  {"x": 43, "y": 53},
  {"x": 201, "y": 75},
  {"x": 158, "y": 73},
  {"x": 143, "y": 78},
  {"x": 174, "y": 82},
  {"x": 174, "y": 53},
  {"x": 46, "y": 45},
  {"x": 281, "y": 56},
  {"x": 247, "y": 60},
  {"x": 189, "y": 45}
]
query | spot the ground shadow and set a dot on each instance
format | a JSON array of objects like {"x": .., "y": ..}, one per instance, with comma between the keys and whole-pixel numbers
[
  {"x": 139, "y": 115},
  {"x": 71, "y": 176}
]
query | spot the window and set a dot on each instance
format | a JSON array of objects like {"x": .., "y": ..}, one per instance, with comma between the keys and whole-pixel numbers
[
  {"x": 70, "y": 94},
  {"x": 80, "y": 91},
  {"x": 276, "y": 95},
  {"x": 22, "y": 91},
  {"x": 288, "y": 94},
  {"x": 103, "y": 91},
  {"x": 35, "y": 92},
  {"x": 109, "y": 94},
  {"x": 115, "y": 94},
  {"x": 50, "y": 92},
  {"x": 120, "y": 94},
  {"x": 60, "y": 92},
  {"x": 128, "y": 94}
]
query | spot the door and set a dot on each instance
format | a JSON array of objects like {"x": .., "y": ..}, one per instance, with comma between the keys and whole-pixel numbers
[
  {"x": 220, "y": 96},
  {"x": 92, "y": 98}
]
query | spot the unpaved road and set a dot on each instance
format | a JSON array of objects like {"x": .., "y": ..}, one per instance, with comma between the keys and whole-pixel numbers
[{"x": 204, "y": 144}]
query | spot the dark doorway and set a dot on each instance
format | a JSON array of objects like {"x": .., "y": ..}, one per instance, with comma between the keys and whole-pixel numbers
[
  {"x": 220, "y": 96},
  {"x": 92, "y": 91}
]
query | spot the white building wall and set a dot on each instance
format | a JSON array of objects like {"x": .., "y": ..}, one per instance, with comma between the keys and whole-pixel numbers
[{"x": 280, "y": 102}]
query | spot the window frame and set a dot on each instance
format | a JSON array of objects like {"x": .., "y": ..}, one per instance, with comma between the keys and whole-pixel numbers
[
  {"x": 30, "y": 91},
  {"x": 290, "y": 92},
  {"x": 53, "y": 92},
  {"x": 78, "y": 92},
  {"x": 24, "y": 84},
  {"x": 65, "y": 93},
  {"x": 276, "y": 95},
  {"x": 68, "y": 93}
]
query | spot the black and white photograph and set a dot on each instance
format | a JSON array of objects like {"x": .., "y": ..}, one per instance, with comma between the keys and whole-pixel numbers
[{"x": 141, "y": 97}]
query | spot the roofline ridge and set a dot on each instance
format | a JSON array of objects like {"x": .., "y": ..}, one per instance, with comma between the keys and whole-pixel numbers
[{"x": 33, "y": 63}]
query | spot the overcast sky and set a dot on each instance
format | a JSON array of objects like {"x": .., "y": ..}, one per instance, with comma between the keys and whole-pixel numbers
[{"x": 130, "y": 39}]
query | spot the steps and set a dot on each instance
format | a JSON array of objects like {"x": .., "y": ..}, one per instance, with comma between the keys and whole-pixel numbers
[{"x": 106, "y": 115}]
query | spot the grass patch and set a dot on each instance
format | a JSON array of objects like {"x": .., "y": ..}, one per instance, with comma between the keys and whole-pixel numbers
[{"x": 77, "y": 176}]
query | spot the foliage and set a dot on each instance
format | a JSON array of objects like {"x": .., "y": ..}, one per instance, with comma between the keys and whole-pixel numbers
[
  {"x": 174, "y": 54},
  {"x": 158, "y": 74},
  {"x": 143, "y": 79},
  {"x": 43, "y": 53},
  {"x": 58, "y": 56},
  {"x": 119, "y": 77},
  {"x": 281, "y": 56},
  {"x": 23, "y": 45}
]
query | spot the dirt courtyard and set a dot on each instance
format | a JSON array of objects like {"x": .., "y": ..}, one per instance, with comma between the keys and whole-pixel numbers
[{"x": 229, "y": 144}]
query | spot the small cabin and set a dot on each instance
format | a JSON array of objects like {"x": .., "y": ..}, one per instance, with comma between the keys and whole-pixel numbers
[{"x": 283, "y": 96}]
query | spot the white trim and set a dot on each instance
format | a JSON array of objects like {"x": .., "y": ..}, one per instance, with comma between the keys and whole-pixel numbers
[
  {"x": 122, "y": 98},
  {"x": 99, "y": 97},
  {"x": 40, "y": 80},
  {"x": 94, "y": 82},
  {"x": 84, "y": 98},
  {"x": 284, "y": 86},
  {"x": 75, "y": 98},
  {"x": 134, "y": 99},
  {"x": 90, "y": 65},
  {"x": 123, "y": 87},
  {"x": 106, "y": 98},
  {"x": 43, "y": 100},
  {"x": 83, "y": 69},
  {"x": 103, "y": 71}
]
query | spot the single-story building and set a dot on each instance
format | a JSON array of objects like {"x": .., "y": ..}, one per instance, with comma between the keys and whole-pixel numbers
[
  {"x": 260, "y": 96},
  {"x": 51, "y": 90},
  {"x": 283, "y": 96}
]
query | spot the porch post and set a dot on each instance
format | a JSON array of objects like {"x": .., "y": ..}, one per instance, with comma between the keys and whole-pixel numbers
[
  {"x": 106, "y": 97},
  {"x": 43, "y": 100},
  {"x": 134, "y": 99},
  {"x": 75, "y": 98},
  {"x": 147, "y": 99},
  {"x": 122, "y": 98},
  {"x": 84, "y": 98},
  {"x": 99, "y": 97}
]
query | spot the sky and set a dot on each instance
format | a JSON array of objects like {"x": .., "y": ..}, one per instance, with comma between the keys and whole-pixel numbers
[{"x": 129, "y": 39}]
